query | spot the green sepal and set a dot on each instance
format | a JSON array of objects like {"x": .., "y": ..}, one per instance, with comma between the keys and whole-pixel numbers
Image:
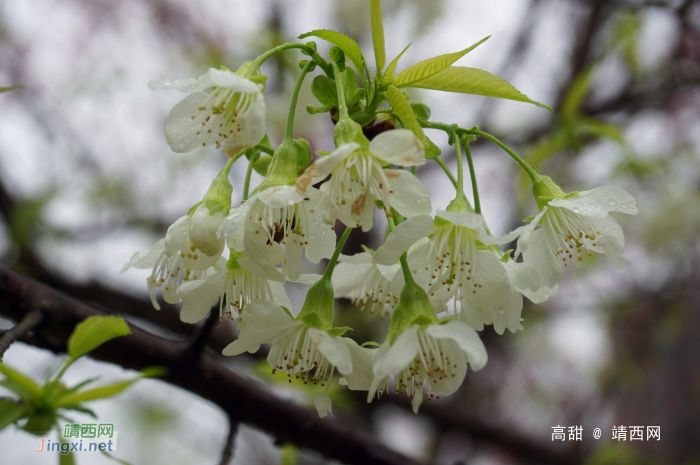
[
  {"x": 305, "y": 156},
  {"x": 414, "y": 308},
  {"x": 259, "y": 80},
  {"x": 232, "y": 263},
  {"x": 339, "y": 331},
  {"x": 318, "y": 306},
  {"x": 324, "y": 153},
  {"x": 312, "y": 319},
  {"x": 459, "y": 204},
  {"x": 194, "y": 207},
  {"x": 312, "y": 110},
  {"x": 529, "y": 219},
  {"x": 262, "y": 164},
  {"x": 505, "y": 258},
  {"x": 283, "y": 169},
  {"x": 218, "y": 197},
  {"x": 5, "y": 89},
  {"x": 543, "y": 201},
  {"x": 287, "y": 311},
  {"x": 370, "y": 344}
]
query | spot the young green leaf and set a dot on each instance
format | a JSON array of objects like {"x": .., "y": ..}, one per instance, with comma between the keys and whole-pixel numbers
[
  {"x": 82, "y": 409},
  {"x": 431, "y": 66},
  {"x": 19, "y": 382},
  {"x": 324, "y": 90},
  {"x": 474, "y": 81},
  {"x": 345, "y": 43},
  {"x": 576, "y": 94},
  {"x": 93, "y": 332},
  {"x": 96, "y": 393},
  {"x": 378, "y": 33},
  {"x": 10, "y": 412},
  {"x": 119, "y": 461},
  {"x": 388, "y": 77},
  {"x": 66, "y": 459},
  {"x": 403, "y": 110},
  {"x": 5, "y": 89}
]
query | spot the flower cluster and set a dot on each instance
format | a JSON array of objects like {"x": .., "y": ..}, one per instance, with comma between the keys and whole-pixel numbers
[{"x": 440, "y": 278}]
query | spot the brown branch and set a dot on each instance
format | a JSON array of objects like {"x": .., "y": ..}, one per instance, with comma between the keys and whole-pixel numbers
[
  {"x": 28, "y": 323},
  {"x": 227, "y": 452},
  {"x": 243, "y": 400}
]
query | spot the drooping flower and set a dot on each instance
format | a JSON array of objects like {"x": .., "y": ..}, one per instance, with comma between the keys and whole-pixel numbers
[
  {"x": 168, "y": 271},
  {"x": 573, "y": 225},
  {"x": 236, "y": 285},
  {"x": 423, "y": 354},
  {"x": 307, "y": 347},
  {"x": 366, "y": 283},
  {"x": 231, "y": 114},
  {"x": 300, "y": 220},
  {"x": 359, "y": 179}
]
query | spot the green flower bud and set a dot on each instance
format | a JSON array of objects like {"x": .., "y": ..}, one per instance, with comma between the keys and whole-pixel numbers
[
  {"x": 414, "y": 308},
  {"x": 304, "y": 149},
  {"x": 318, "y": 306},
  {"x": 545, "y": 190}
]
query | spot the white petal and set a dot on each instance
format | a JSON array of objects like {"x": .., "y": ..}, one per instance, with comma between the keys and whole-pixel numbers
[
  {"x": 182, "y": 132},
  {"x": 538, "y": 257},
  {"x": 465, "y": 337},
  {"x": 348, "y": 276},
  {"x": 416, "y": 402},
  {"x": 233, "y": 227},
  {"x": 449, "y": 384},
  {"x": 264, "y": 271},
  {"x": 323, "y": 166},
  {"x": 293, "y": 246},
  {"x": 308, "y": 278},
  {"x": 146, "y": 259},
  {"x": 255, "y": 242},
  {"x": 402, "y": 237},
  {"x": 320, "y": 234},
  {"x": 261, "y": 323},
  {"x": 362, "y": 360},
  {"x": 473, "y": 221},
  {"x": 280, "y": 297},
  {"x": 526, "y": 232},
  {"x": 323, "y": 405},
  {"x": 541, "y": 295},
  {"x": 362, "y": 257},
  {"x": 176, "y": 237},
  {"x": 203, "y": 229},
  {"x": 398, "y": 147},
  {"x": 598, "y": 202},
  {"x": 231, "y": 80},
  {"x": 335, "y": 351},
  {"x": 280, "y": 196},
  {"x": 397, "y": 357},
  {"x": 407, "y": 194},
  {"x": 522, "y": 276},
  {"x": 388, "y": 271},
  {"x": 199, "y": 296}
]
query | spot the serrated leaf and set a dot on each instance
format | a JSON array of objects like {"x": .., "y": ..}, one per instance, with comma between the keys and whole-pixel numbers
[
  {"x": 324, "y": 90},
  {"x": 403, "y": 110},
  {"x": 388, "y": 77},
  {"x": 18, "y": 382},
  {"x": 95, "y": 331},
  {"x": 10, "y": 412},
  {"x": 431, "y": 66},
  {"x": 375, "y": 7},
  {"x": 474, "y": 81},
  {"x": 345, "y": 43},
  {"x": 6, "y": 89}
]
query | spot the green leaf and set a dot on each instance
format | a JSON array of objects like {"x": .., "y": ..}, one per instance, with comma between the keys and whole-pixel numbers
[
  {"x": 378, "y": 33},
  {"x": 40, "y": 421},
  {"x": 431, "y": 66},
  {"x": 20, "y": 381},
  {"x": 403, "y": 110},
  {"x": 95, "y": 331},
  {"x": 324, "y": 90},
  {"x": 345, "y": 43},
  {"x": 474, "y": 81},
  {"x": 97, "y": 393},
  {"x": 576, "y": 94},
  {"x": 154, "y": 371},
  {"x": 5, "y": 89},
  {"x": 388, "y": 77},
  {"x": 10, "y": 412},
  {"x": 349, "y": 85},
  {"x": 421, "y": 110},
  {"x": 312, "y": 110},
  {"x": 80, "y": 408},
  {"x": 601, "y": 129}
]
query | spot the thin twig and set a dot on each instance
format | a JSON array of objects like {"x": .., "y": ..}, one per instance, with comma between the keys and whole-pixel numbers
[
  {"x": 199, "y": 341},
  {"x": 28, "y": 323},
  {"x": 227, "y": 452}
]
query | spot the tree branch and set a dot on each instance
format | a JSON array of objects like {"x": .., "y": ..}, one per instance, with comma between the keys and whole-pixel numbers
[
  {"x": 227, "y": 452},
  {"x": 28, "y": 323},
  {"x": 241, "y": 399}
]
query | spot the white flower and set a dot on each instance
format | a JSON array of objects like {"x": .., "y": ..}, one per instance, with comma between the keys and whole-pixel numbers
[
  {"x": 431, "y": 357},
  {"x": 298, "y": 349},
  {"x": 281, "y": 209},
  {"x": 167, "y": 271},
  {"x": 194, "y": 238},
  {"x": 572, "y": 226},
  {"x": 358, "y": 178},
  {"x": 236, "y": 285},
  {"x": 459, "y": 267},
  {"x": 367, "y": 283},
  {"x": 232, "y": 114}
]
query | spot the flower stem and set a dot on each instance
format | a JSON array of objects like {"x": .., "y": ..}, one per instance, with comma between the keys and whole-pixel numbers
[
  {"x": 404, "y": 257},
  {"x": 229, "y": 163},
  {"x": 336, "y": 253},
  {"x": 293, "y": 105},
  {"x": 342, "y": 106},
  {"x": 460, "y": 168},
  {"x": 472, "y": 174},
  {"x": 447, "y": 171},
  {"x": 280, "y": 48},
  {"x": 248, "y": 174}
]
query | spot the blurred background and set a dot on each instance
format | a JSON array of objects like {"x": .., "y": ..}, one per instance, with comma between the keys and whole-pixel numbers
[{"x": 87, "y": 179}]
